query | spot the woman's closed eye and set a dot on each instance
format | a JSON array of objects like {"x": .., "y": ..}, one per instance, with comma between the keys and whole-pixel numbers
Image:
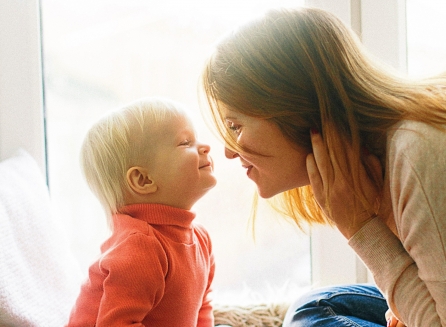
[{"x": 233, "y": 127}]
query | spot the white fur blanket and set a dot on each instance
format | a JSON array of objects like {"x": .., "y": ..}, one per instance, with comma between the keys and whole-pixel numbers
[{"x": 256, "y": 315}]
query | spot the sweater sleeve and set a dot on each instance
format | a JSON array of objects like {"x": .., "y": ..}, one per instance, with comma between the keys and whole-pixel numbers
[
  {"x": 206, "y": 314},
  {"x": 134, "y": 272},
  {"x": 411, "y": 269}
]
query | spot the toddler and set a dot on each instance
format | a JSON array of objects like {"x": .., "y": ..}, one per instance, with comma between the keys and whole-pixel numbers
[{"x": 147, "y": 168}]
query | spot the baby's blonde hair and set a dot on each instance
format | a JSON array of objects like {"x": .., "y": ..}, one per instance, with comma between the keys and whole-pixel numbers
[{"x": 117, "y": 142}]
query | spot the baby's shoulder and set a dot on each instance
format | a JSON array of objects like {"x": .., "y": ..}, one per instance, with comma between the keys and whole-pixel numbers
[{"x": 202, "y": 233}]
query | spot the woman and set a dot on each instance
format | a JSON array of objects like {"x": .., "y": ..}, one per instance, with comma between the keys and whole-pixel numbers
[{"x": 340, "y": 140}]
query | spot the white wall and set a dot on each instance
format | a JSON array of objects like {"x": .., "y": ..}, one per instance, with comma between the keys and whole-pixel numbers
[{"x": 21, "y": 99}]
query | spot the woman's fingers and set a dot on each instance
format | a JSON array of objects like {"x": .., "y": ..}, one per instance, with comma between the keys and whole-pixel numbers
[
  {"x": 321, "y": 157},
  {"x": 319, "y": 168},
  {"x": 394, "y": 322},
  {"x": 315, "y": 178},
  {"x": 374, "y": 167},
  {"x": 333, "y": 184}
]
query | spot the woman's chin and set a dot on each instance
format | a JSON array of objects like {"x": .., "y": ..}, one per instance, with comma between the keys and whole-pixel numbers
[{"x": 266, "y": 194}]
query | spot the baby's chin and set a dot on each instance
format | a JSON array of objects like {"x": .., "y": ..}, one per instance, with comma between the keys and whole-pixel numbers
[{"x": 212, "y": 185}]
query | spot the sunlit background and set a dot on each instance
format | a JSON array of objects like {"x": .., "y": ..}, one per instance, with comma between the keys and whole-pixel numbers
[
  {"x": 102, "y": 54},
  {"x": 426, "y": 28},
  {"x": 99, "y": 55}
]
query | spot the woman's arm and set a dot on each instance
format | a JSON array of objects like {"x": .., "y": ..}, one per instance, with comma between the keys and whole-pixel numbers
[
  {"x": 416, "y": 166},
  {"x": 410, "y": 270}
]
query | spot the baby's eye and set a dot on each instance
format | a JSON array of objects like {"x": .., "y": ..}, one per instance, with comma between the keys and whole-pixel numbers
[{"x": 185, "y": 142}]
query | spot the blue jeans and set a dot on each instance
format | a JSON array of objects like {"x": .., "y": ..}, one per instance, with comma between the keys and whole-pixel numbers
[{"x": 359, "y": 305}]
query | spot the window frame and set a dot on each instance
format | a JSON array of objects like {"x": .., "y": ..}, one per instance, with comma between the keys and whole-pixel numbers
[{"x": 21, "y": 82}]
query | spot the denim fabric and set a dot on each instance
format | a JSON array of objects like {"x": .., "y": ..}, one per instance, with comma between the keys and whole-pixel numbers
[{"x": 359, "y": 305}]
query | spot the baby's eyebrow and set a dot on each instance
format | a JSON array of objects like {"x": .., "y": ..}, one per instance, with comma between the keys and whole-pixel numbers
[{"x": 186, "y": 135}]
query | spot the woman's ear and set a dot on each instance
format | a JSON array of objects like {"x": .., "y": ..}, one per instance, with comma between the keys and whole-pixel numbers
[{"x": 140, "y": 182}]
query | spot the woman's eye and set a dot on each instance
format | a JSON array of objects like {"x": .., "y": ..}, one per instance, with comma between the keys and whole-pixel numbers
[
  {"x": 185, "y": 143},
  {"x": 234, "y": 127}
]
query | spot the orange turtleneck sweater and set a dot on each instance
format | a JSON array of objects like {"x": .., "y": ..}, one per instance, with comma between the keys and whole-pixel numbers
[{"x": 155, "y": 270}]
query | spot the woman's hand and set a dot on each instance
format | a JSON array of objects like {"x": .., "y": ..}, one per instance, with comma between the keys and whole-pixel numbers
[
  {"x": 392, "y": 320},
  {"x": 333, "y": 190}
]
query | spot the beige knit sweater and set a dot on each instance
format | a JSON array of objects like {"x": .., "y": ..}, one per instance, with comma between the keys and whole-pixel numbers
[{"x": 409, "y": 264}]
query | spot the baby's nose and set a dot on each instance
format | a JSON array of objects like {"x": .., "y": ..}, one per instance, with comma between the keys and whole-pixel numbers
[{"x": 204, "y": 148}]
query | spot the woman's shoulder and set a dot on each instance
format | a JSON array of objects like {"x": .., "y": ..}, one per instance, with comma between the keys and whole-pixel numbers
[
  {"x": 417, "y": 147},
  {"x": 415, "y": 128},
  {"x": 414, "y": 137}
]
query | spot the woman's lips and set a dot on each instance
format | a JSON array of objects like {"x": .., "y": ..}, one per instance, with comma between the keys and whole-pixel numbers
[{"x": 248, "y": 168}]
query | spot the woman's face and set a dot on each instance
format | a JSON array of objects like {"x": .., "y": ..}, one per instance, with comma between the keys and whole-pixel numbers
[{"x": 277, "y": 165}]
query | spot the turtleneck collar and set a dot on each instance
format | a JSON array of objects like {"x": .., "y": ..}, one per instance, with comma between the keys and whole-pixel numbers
[{"x": 159, "y": 214}]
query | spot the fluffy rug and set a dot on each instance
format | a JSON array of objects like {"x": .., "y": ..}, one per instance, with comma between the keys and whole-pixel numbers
[{"x": 259, "y": 315}]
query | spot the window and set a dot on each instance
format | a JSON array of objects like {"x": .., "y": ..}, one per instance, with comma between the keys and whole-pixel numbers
[
  {"x": 100, "y": 55},
  {"x": 425, "y": 37}
]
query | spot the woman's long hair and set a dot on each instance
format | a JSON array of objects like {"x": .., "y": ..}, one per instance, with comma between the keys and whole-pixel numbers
[{"x": 304, "y": 69}]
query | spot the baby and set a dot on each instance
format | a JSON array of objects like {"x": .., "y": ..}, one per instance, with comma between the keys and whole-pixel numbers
[{"x": 147, "y": 168}]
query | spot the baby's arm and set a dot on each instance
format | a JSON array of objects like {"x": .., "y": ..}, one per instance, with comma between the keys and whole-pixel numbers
[
  {"x": 206, "y": 314},
  {"x": 135, "y": 272}
]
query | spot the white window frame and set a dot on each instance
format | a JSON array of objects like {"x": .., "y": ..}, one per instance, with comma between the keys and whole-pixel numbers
[
  {"x": 21, "y": 84},
  {"x": 380, "y": 24}
]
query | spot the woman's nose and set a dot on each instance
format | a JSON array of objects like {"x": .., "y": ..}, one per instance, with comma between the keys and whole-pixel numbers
[{"x": 230, "y": 154}]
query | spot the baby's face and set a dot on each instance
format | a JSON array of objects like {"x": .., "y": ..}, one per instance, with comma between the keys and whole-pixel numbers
[{"x": 181, "y": 166}]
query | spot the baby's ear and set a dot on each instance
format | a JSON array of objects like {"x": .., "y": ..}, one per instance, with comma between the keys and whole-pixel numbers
[{"x": 140, "y": 181}]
